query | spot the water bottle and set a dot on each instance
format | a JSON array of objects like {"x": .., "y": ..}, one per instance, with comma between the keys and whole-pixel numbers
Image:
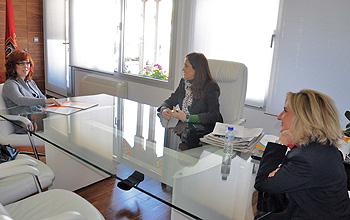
[
  {"x": 229, "y": 137},
  {"x": 225, "y": 166}
]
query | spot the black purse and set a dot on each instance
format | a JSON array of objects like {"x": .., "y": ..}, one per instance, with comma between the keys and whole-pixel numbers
[{"x": 7, "y": 153}]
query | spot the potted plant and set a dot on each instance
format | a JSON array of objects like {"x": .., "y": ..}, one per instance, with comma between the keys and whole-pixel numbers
[{"x": 155, "y": 72}]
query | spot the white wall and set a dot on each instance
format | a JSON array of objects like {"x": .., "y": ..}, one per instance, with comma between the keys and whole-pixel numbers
[{"x": 256, "y": 118}]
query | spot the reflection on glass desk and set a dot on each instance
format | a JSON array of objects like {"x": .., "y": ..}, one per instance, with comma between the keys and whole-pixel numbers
[{"x": 204, "y": 181}]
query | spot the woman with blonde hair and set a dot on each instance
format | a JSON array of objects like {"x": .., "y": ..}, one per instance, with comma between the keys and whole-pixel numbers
[{"x": 312, "y": 173}]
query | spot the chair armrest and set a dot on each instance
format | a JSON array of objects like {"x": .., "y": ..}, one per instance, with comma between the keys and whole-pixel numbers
[
  {"x": 25, "y": 120},
  {"x": 71, "y": 215},
  {"x": 19, "y": 170},
  {"x": 18, "y": 162},
  {"x": 239, "y": 121}
]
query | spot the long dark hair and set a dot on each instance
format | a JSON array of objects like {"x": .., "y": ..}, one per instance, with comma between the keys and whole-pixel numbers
[
  {"x": 14, "y": 58},
  {"x": 200, "y": 64}
]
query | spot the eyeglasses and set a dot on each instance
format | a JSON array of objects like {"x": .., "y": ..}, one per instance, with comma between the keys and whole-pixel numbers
[{"x": 23, "y": 63}]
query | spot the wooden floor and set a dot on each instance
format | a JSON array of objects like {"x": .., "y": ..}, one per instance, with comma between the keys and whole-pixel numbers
[{"x": 115, "y": 203}]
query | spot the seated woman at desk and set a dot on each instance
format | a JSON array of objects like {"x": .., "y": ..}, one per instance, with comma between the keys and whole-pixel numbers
[
  {"x": 312, "y": 173},
  {"x": 197, "y": 94},
  {"x": 20, "y": 88}
]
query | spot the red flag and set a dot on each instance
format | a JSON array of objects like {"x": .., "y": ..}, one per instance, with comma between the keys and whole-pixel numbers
[{"x": 10, "y": 36}]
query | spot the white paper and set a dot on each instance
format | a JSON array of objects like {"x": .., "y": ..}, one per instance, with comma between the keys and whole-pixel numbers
[
  {"x": 69, "y": 107},
  {"x": 221, "y": 128},
  {"x": 238, "y": 131},
  {"x": 78, "y": 104},
  {"x": 167, "y": 123},
  {"x": 172, "y": 122}
]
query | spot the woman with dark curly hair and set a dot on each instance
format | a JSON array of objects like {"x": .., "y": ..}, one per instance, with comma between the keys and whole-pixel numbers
[{"x": 20, "y": 88}]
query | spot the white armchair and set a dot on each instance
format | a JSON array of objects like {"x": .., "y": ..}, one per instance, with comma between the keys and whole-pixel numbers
[
  {"x": 7, "y": 135},
  {"x": 232, "y": 79},
  {"x": 56, "y": 204},
  {"x": 16, "y": 178}
]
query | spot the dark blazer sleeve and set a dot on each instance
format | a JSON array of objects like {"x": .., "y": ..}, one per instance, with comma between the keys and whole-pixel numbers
[
  {"x": 273, "y": 156},
  {"x": 295, "y": 173},
  {"x": 175, "y": 97},
  {"x": 207, "y": 107}
]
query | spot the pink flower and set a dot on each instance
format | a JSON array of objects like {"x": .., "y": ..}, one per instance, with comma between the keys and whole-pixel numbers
[{"x": 158, "y": 66}]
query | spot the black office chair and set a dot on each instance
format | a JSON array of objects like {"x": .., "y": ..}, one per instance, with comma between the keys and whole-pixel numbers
[
  {"x": 270, "y": 203},
  {"x": 347, "y": 170}
]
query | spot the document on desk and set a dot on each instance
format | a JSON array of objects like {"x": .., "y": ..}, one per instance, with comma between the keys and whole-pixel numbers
[
  {"x": 69, "y": 107},
  {"x": 238, "y": 131},
  {"x": 244, "y": 137}
]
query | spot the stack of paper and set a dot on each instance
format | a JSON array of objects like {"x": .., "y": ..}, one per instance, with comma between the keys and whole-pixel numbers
[
  {"x": 245, "y": 139},
  {"x": 69, "y": 107}
]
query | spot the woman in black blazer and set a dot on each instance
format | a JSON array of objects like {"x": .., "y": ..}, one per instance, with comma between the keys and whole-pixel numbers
[
  {"x": 197, "y": 94},
  {"x": 312, "y": 173}
]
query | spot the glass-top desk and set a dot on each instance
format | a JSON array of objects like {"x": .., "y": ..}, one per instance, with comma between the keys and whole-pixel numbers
[{"x": 92, "y": 144}]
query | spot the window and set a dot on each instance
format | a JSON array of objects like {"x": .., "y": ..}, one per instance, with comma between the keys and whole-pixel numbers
[
  {"x": 94, "y": 34},
  {"x": 147, "y": 38},
  {"x": 122, "y": 37}
]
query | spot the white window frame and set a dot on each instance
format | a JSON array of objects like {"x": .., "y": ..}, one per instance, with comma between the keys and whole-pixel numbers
[{"x": 167, "y": 84}]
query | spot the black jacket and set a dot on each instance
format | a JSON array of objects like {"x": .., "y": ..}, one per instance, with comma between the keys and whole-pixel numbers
[
  {"x": 313, "y": 178},
  {"x": 207, "y": 107}
]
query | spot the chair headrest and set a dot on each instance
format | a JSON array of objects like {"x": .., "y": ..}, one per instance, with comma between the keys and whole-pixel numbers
[{"x": 226, "y": 71}]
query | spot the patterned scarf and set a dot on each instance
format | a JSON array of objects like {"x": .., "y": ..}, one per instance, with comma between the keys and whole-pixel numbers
[{"x": 188, "y": 97}]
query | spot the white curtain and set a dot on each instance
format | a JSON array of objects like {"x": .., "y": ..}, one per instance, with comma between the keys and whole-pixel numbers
[
  {"x": 238, "y": 30},
  {"x": 94, "y": 34}
]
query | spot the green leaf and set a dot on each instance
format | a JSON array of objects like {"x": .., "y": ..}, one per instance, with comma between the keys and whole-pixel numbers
[
  {"x": 347, "y": 115},
  {"x": 348, "y": 125}
]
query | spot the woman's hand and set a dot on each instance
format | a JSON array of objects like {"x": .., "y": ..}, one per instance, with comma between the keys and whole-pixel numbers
[
  {"x": 273, "y": 172},
  {"x": 166, "y": 113},
  {"x": 286, "y": 138},
  {"x": 179, "y": 114},
  {"x": 52, "y": 101},
  {"x": 30, "y": 126}
]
